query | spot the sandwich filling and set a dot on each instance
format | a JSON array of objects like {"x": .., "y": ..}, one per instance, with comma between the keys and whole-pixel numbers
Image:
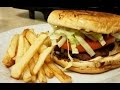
[{"x": 81, "y": 45}]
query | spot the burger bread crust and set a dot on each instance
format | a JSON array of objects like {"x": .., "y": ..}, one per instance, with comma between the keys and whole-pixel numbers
[{"x": 99, "y": 22}]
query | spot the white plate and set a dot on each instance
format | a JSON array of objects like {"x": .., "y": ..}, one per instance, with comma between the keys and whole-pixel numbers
[{"x": 5, "y": 37}]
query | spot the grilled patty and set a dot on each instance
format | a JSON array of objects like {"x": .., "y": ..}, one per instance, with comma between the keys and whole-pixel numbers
[{"x": 63, "y": 54}]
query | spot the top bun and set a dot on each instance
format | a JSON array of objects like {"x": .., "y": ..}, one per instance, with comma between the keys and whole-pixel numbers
[{"x": 99, "y": 22}]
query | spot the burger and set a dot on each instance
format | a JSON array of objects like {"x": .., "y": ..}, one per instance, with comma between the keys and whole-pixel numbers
[{"x": 85, "y": 41}]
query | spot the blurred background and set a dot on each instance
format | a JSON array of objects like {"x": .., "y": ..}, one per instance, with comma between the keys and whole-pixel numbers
[
  {"x": 18, "y": 16},
  {"x": 13, "y": 17}
]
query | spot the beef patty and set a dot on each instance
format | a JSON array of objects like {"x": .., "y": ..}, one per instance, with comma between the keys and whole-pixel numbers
[{"x": 63, "y": 54}]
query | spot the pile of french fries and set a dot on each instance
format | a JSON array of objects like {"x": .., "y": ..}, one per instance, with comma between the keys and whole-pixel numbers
[{"x": 28, "y": 58}]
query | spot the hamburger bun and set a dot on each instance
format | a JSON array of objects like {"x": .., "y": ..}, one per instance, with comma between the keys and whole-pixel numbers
[
  {"x": 89, "y": 21},
  {"x": 99, "y": 22},
  {"x": 92, "y": 66}
]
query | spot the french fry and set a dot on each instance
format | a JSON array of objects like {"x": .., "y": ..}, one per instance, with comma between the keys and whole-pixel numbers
[
  {"x": 26, "y": 45},
  {"x": 18, "y": 68},
  {"x": 41, "y": 59},
  {"x": 42, "y": 48},
  {"x": 20, "y": 50},
  {"x": 36, "y": 57},
  {"x": 27, "y": 30},
  {"x": 7, "y": 59},
  {"x": 41, "y": 76},
  {"x": 27, "y": 77},
  {"x": 34, "y": 78},
  {"x": 26, "y": 74},
  {"x": 48, "y": 72},
  {"x": 60, "y": 75},
  {"x": 31, "y": 66},
  {"x": 13, "y": 46},
  {"x": 48, "y": 59},
  {"x": 31, "y": 37},
  {"x": 47, "y": 42}
]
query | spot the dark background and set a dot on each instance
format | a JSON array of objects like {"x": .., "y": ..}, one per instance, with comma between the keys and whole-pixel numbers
[{"x": 46, "y": 6}]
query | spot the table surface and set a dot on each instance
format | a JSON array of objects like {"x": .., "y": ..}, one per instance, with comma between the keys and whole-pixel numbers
[{"x": 12, "y": 18}]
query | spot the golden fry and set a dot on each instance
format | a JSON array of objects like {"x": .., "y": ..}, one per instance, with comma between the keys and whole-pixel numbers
[
  {"x": 41, "y": 76},
  {"x": 59, "y": 73},
  {"x": 48, "y": 59},
  {"x": 27, "y": 77},
  {"x": 41, "y": 59},
  {"x": 20, "y": 50},
  {"x": 7, "y": 60},
  {"x": 42, "y": 48},
  {"x": 18, "y": 68},
  {"x": 34, "y": 78},
  {"x": 31, "y": 37},
  {"x": 31, "y": 65},
  {"x": 13, "y": 46},
  {"x": 49, "y": 73},
  {"x": 26, "y": 74}
]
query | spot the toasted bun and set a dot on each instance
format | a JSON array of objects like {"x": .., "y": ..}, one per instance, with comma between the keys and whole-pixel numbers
[
  {"x": 98, "y": 22},
  {"x": 93, "y": 66}
]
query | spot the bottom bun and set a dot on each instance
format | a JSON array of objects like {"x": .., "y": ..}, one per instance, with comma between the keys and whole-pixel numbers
[{"x": 104, "y": 64}]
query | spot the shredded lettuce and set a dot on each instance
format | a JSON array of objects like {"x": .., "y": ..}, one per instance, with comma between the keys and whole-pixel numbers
[
  {"x": 117, "y": 36},
  {"x": 73, "y": 43},
  {"x": 91, "y": 37},
  {"x": 100, "y": 38},
  {"x": 54, "y": 38},
  {"x": 85, "y": 45},
  {"x": 71, "y": 59},
  {"x": 62, "y": 41},
  {"x": 95, "y": 36},
  {"x": 72, "y": 39}
]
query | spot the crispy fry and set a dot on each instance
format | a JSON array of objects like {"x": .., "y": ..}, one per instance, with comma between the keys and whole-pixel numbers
[
  {"x": 24, "y": 32},
  {"x": 47, "y": 42},
  {"x": 26, "y": 74},
  {"x": 34, "y": 78},
  {"x": 49, "y": 73},
  {"x": 13, "y": 46},
  {"x": 59, "y": 73},
  {"x": 48, "y": 59},
  {"x": 18, "y": 68},
  {"x": 33, "y": 61},
  {"x": 41, "y": 59},
  {"x": 42, "y": 48},
  {"x": 31, "y": 37},
  {"x": 41, "y": 76},
  {"x": 36, "y": 57},
  {"x": 31, "y": 65},
  {"x": 20, "y": 50},
  {"x": 7, "y": 60}
]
